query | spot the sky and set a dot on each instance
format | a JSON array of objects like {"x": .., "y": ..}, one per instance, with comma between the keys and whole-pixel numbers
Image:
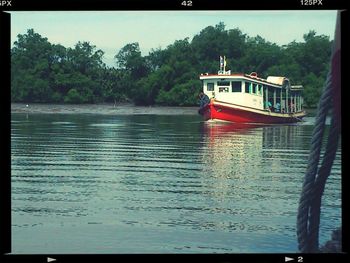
[{"x": 112, "y": 30}]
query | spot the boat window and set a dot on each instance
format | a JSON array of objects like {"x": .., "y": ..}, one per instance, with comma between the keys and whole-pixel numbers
[
  {"x": 210, "y": 86},
  {"x": 254, "y": 88},
  {"x": 236, "y": 86},
  {"x": 260, "y": 89},
  {"x": 223, "y": 83},
  {"x": 247, "y": 87},
  {"x": 223, "y": 89}
]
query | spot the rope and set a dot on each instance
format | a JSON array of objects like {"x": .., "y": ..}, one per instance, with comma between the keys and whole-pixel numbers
[
  {"x": 309, "y": 180},
  {"x": 321, "y": 179},
  {"x": 308, "y": 219}
]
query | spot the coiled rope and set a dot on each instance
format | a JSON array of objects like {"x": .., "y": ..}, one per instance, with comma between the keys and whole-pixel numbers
[{"x": 308, "y": 219}]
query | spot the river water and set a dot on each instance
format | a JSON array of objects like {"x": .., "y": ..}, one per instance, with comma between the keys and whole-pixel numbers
[{"x": 92, "y": 183}]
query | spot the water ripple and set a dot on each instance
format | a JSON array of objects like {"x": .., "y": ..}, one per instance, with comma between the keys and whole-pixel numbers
[{"x": 185, "y": 185}]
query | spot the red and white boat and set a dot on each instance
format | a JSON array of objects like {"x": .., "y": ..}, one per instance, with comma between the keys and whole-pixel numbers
[{"x": 246, "y": 98}]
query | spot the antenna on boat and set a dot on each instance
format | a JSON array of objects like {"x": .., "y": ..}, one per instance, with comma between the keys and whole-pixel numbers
[{"x": 222, "y": 65}]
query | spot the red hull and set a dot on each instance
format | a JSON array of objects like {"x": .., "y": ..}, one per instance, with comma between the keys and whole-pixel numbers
[{"x": 234, "y": 113}]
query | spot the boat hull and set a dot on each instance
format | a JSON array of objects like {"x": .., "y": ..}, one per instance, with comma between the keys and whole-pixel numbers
[{"x": 222, "y": 111}]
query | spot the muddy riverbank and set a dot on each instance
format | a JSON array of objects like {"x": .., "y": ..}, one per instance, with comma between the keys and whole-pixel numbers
[{"x": 109, "y": 109}]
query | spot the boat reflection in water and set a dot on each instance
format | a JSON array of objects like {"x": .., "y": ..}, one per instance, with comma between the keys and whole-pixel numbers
[
  {"x": 256, "y": 172},
  {"x": 159, "y": 184},
  {"x": 238, "y": 150},
  {"x": 232, "y": 147},
  {"x": 231, "y": 154}
]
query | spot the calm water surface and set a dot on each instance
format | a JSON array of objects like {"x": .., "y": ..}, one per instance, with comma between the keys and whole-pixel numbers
[{"x": 85, "y": 183}]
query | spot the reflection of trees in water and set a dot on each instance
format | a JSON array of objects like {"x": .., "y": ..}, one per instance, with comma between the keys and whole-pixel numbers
[
  {"x": 51, "y": 155},
  {"x": 284, "y": 145},
  {"x": 159, "y": 148},
  {"x": 286, "y": 136},
  {"x": 46, "y": 133},
  {"x": 214, "y": 177}
]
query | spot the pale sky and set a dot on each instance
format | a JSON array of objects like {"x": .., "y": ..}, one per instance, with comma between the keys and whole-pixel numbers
[{"x": 111, "y": 30}]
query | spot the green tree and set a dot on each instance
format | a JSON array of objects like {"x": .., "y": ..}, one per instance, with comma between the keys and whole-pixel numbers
[
  {"x": 42, "y": 72},
  {"x": 73, "y": 96},
  {"x": 313, "y": 87},
  {"x": 30, "y": 68},
  {"x": 129, "y": 58},
  {"x": 180, "y": 95},
  {"x": 209, "y": 45},
  {"x": 114, "y": 88},
  {"x": 45, "y": 72}
]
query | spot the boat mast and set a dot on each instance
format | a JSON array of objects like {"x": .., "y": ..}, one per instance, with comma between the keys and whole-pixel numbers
[{"x": 222, "y": 70}]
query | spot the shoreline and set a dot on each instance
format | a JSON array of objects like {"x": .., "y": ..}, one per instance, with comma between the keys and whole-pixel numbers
[
  {"x": 110, "y": 109},
  {"x": 105, "y": 108}
]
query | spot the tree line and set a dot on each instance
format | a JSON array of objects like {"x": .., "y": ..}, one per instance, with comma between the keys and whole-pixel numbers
[{"x": 52, "y": 73}]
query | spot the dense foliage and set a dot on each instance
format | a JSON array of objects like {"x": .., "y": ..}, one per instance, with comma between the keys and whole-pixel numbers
[{"x": 45, "y": 72}]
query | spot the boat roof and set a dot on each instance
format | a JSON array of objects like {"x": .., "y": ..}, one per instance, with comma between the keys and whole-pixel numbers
[
  {"x": 296, "y": 87},
  {"x": 276, "y": 81}
]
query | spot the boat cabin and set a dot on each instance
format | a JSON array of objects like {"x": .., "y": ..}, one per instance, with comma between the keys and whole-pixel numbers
[{"x": 273, "y": 94}]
